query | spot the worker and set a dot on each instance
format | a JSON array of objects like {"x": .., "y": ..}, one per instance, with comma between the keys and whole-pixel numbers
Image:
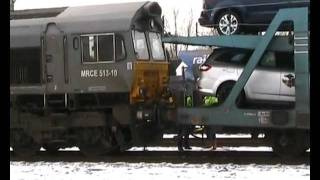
[
  {"x": 185, "y": 130},
  {"x": 212, "y": 139}
]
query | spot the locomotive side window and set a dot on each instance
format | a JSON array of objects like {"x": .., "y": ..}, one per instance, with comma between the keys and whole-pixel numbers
[
  {"x": 75, "y": 43},
  {"x": 89, "y": 48},
  {"x": 105, "y": 48},
  {"x": 140, "y": 45},
  {"x": 98, "y": 48},
  {"x": 120, "y": 49},
  {"x": 156, "y": 46}
]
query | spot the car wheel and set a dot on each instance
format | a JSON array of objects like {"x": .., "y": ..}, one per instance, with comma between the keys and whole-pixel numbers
[
  {"x": 228, "y": 23},
  {"x": 225, "y": 89}
]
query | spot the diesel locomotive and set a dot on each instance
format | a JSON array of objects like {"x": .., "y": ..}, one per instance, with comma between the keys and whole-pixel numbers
[{"x": 95, "y": 77}]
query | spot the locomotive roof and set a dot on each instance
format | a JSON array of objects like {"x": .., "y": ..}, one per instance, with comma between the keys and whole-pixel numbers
[{"x": 72, "y": 20}]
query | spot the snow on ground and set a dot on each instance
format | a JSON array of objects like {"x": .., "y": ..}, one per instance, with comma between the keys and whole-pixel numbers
[
  {"x": 194, "y": 148},
  {"x": 158, "y": 171},
  {"x": 223, "y": 148},
  {"x": 154, "y": 171},
  {"x": 166, "y": 136}
]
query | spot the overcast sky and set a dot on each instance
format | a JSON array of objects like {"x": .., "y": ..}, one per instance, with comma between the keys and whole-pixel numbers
[{"x": 183, "y": 6}]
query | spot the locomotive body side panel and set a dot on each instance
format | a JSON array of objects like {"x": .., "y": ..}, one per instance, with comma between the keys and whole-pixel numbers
[{"x": 100, "y": 76}]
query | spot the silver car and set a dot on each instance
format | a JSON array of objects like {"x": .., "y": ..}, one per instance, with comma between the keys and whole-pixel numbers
[{"x": 272, "y": 80}]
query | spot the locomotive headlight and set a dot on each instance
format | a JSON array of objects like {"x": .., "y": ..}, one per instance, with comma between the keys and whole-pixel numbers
[
  {"x": 142, "y": 92},
  {"x": 144, "y": 115},
  {"x": 165, "y": 80},
  {"x": 140, "y": 115}
]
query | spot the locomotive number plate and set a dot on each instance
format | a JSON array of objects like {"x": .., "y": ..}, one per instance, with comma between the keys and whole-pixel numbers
[{"x": 87, "y": 73}]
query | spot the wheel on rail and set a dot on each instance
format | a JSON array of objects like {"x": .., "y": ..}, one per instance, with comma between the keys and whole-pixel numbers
[
  {"x": 290, "y": 144},
  {"x": 51, "y": 149},
  {"x": 22, "y": 144},
  {"x": 96, "y": 142}
]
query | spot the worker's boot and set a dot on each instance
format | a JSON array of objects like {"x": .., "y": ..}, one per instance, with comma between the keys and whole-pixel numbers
[
  {"x": 180, "y": 148},
  {"x": 211, "y": 144},
  {"x": 186, "y": 144},
  {"x": 179, "y": 143},
  {"x": 214, "y": 144}
]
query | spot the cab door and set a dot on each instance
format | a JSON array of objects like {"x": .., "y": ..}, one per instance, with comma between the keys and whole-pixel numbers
[{"x": 54, "y": 57}]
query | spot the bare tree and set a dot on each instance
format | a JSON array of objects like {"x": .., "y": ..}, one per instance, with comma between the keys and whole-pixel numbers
[
  {"x": 12, "y": 5},
  {"x": 175, "y": 21},
  {"x": 189, "y": 25},
  {"x": 172, "y": 48},
  {"x": 184, "y": 28},
  {"x": 168, "y": 47}
]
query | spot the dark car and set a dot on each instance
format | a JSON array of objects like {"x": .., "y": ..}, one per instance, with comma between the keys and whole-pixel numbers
[{"x": 235, "y": 16}]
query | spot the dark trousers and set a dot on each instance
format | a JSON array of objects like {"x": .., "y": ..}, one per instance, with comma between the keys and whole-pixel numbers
[
  {"x": 211, "y": 136},
  {"x": 185, "y": 130},
  {"x": 183, "y": 136}
]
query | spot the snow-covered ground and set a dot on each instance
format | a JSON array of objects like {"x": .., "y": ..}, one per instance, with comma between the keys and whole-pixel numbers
[
  {"x": 166, "y": 136},
  {"x": 158, "y": 171},
  {"x": 153, "y": 171}
]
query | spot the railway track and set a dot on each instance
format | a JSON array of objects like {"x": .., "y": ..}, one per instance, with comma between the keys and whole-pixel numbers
[
  {"x": 217, "y": 157},
  {"x": 235, "y": 142}
]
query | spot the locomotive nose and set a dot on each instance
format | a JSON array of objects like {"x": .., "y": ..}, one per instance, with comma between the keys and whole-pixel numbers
[
  {"x": 152, "y": 9},
  {"x": 149, "y": 81}
]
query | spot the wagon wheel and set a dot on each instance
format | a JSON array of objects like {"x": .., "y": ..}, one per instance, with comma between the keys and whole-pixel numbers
[
  {"x": 23, "y": 145},
  {"x": 51, "y": 149},
  {"x": 96, "y": 142},
  {"x": 94, "y": 150},
  {"x": 289, "y": 144}
]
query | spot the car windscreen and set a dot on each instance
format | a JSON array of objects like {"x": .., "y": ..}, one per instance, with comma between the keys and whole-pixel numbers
[
  {"x": 285, "y": 60},
  {"x": 233, "y": 56},
  {"x": 229, "y": 55}
]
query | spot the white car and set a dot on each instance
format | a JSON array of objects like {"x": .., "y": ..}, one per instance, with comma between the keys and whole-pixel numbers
[{"x": 272, "y": 80}]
